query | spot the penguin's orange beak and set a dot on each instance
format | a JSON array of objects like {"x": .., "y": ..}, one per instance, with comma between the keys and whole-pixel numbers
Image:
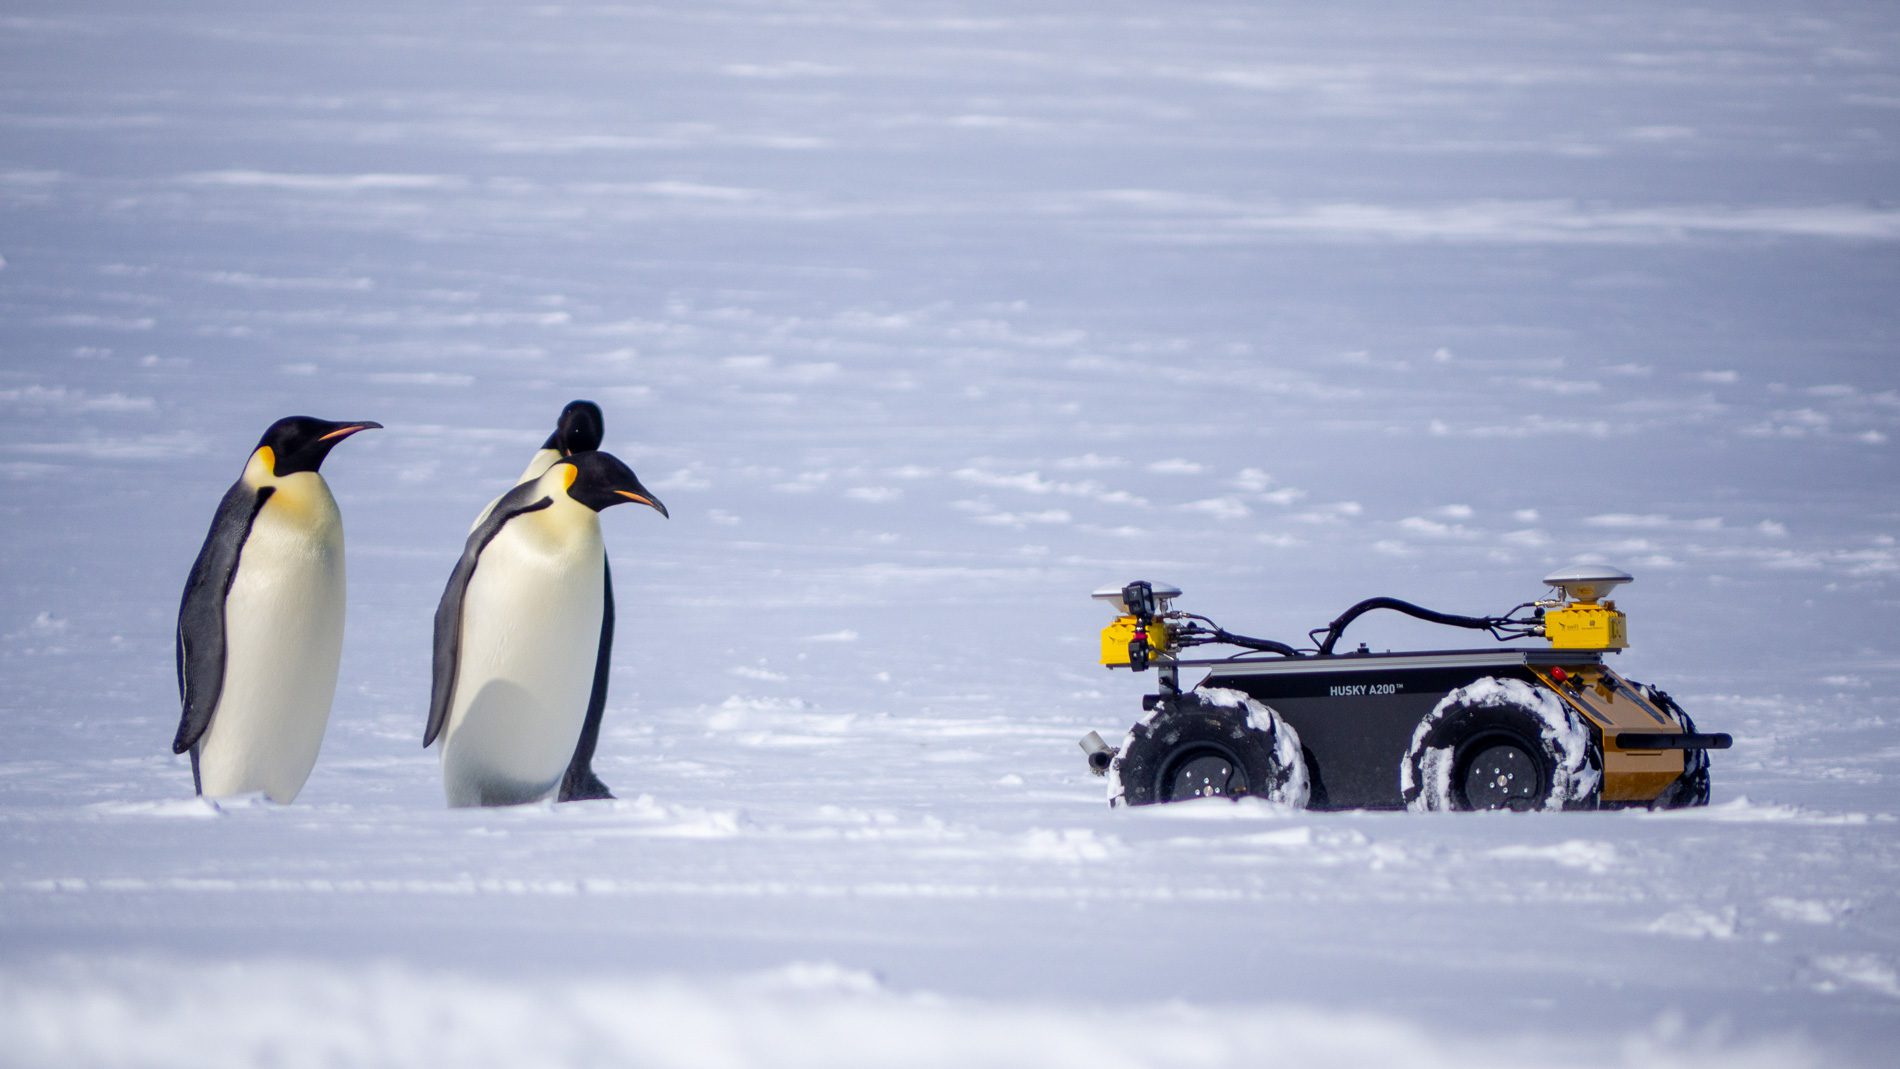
[
  {"x": 644, "y": 500},
  {"x": 345, "y": 432}
]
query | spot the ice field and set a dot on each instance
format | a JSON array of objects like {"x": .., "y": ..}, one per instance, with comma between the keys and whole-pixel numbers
[{"x": 926, "y": 320}]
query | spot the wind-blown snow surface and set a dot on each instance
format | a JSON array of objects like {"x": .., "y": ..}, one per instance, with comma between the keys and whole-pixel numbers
[{"x": 925, "y": 320}]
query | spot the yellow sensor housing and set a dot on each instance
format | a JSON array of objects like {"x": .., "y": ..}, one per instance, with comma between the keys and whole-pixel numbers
[
  {"x": 1584, "y": 622},
  {"x": 1117, "y": 636},
  {"x": 1587, "y": 627}
]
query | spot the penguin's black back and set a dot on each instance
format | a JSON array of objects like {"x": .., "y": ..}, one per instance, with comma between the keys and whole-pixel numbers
[{"x": 200, "y": 640}]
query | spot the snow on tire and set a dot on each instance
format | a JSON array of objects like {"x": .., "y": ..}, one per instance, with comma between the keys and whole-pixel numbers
[
  {"x": 1501, "y": 744},
  {"x": 1692, "y": 788},
  {"x": 1211, "y": 742}
]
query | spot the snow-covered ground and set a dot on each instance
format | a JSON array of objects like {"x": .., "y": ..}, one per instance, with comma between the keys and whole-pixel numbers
[{"x": 925, "y": 320}]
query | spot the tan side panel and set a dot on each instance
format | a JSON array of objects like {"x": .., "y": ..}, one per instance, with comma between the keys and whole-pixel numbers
[{"x": 1628, "y": 775}]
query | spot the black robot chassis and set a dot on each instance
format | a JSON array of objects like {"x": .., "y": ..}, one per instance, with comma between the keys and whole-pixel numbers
[{"x": 1520, "y": 727}]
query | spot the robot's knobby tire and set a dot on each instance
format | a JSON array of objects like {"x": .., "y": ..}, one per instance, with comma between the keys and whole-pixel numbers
[
  {"x": 1501, "y": 744},
  {"x": 1693, "y": 788},
  {"x": 1209, "y": 743}
]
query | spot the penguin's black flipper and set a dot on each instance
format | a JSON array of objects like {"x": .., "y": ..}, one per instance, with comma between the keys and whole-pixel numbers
[
  {"x": 448, "y": 612},
  {"x": 580, "y": 783},
  {"x": 200, "y": 642}
]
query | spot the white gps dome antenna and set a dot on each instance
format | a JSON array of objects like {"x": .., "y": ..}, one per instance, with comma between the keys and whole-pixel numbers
[{"x": 1587, "y": 583}]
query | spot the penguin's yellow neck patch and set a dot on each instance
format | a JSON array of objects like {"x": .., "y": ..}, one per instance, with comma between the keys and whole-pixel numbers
[
  {"x": 566, "y": 524},
  {"x": 302, "y": 498},
  {"x": 263, "y": 464}
]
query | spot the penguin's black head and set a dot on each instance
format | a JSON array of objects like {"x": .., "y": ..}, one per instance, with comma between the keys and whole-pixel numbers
[
  {"x": 299, "y": 443},
  {"x": 602, "y": 481},
  {"x": 579, "y": 430}
]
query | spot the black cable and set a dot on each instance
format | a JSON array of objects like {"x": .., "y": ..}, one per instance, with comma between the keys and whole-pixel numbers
[
  {"x": 1264, "y": 645},
  {"x": 1335, "y": 629},
  {"x": 1213, "y": 632},
  {"x": 1503, "y": 628}
]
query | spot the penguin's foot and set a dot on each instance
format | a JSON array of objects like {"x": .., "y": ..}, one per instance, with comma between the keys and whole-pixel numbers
[{"x": 581, "y": 785}]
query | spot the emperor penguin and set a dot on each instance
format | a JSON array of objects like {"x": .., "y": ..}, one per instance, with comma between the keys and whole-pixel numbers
[
  {"x": 518, "y": 633},
  {"x": 260, "y": 627},
  {"x": 579, "y": 430}
]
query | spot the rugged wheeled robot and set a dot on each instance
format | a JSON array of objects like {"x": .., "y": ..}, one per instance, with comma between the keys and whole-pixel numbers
[{"x": 1521, "y": 727}]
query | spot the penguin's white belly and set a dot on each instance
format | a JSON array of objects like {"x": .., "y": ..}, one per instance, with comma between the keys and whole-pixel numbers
[
  {"x": 530, "y": 634},
  {"x": 283, "y": 627}
]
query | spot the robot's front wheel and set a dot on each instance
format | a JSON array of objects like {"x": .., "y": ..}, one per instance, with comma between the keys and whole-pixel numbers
[{"x": 1208, "y": 744}]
